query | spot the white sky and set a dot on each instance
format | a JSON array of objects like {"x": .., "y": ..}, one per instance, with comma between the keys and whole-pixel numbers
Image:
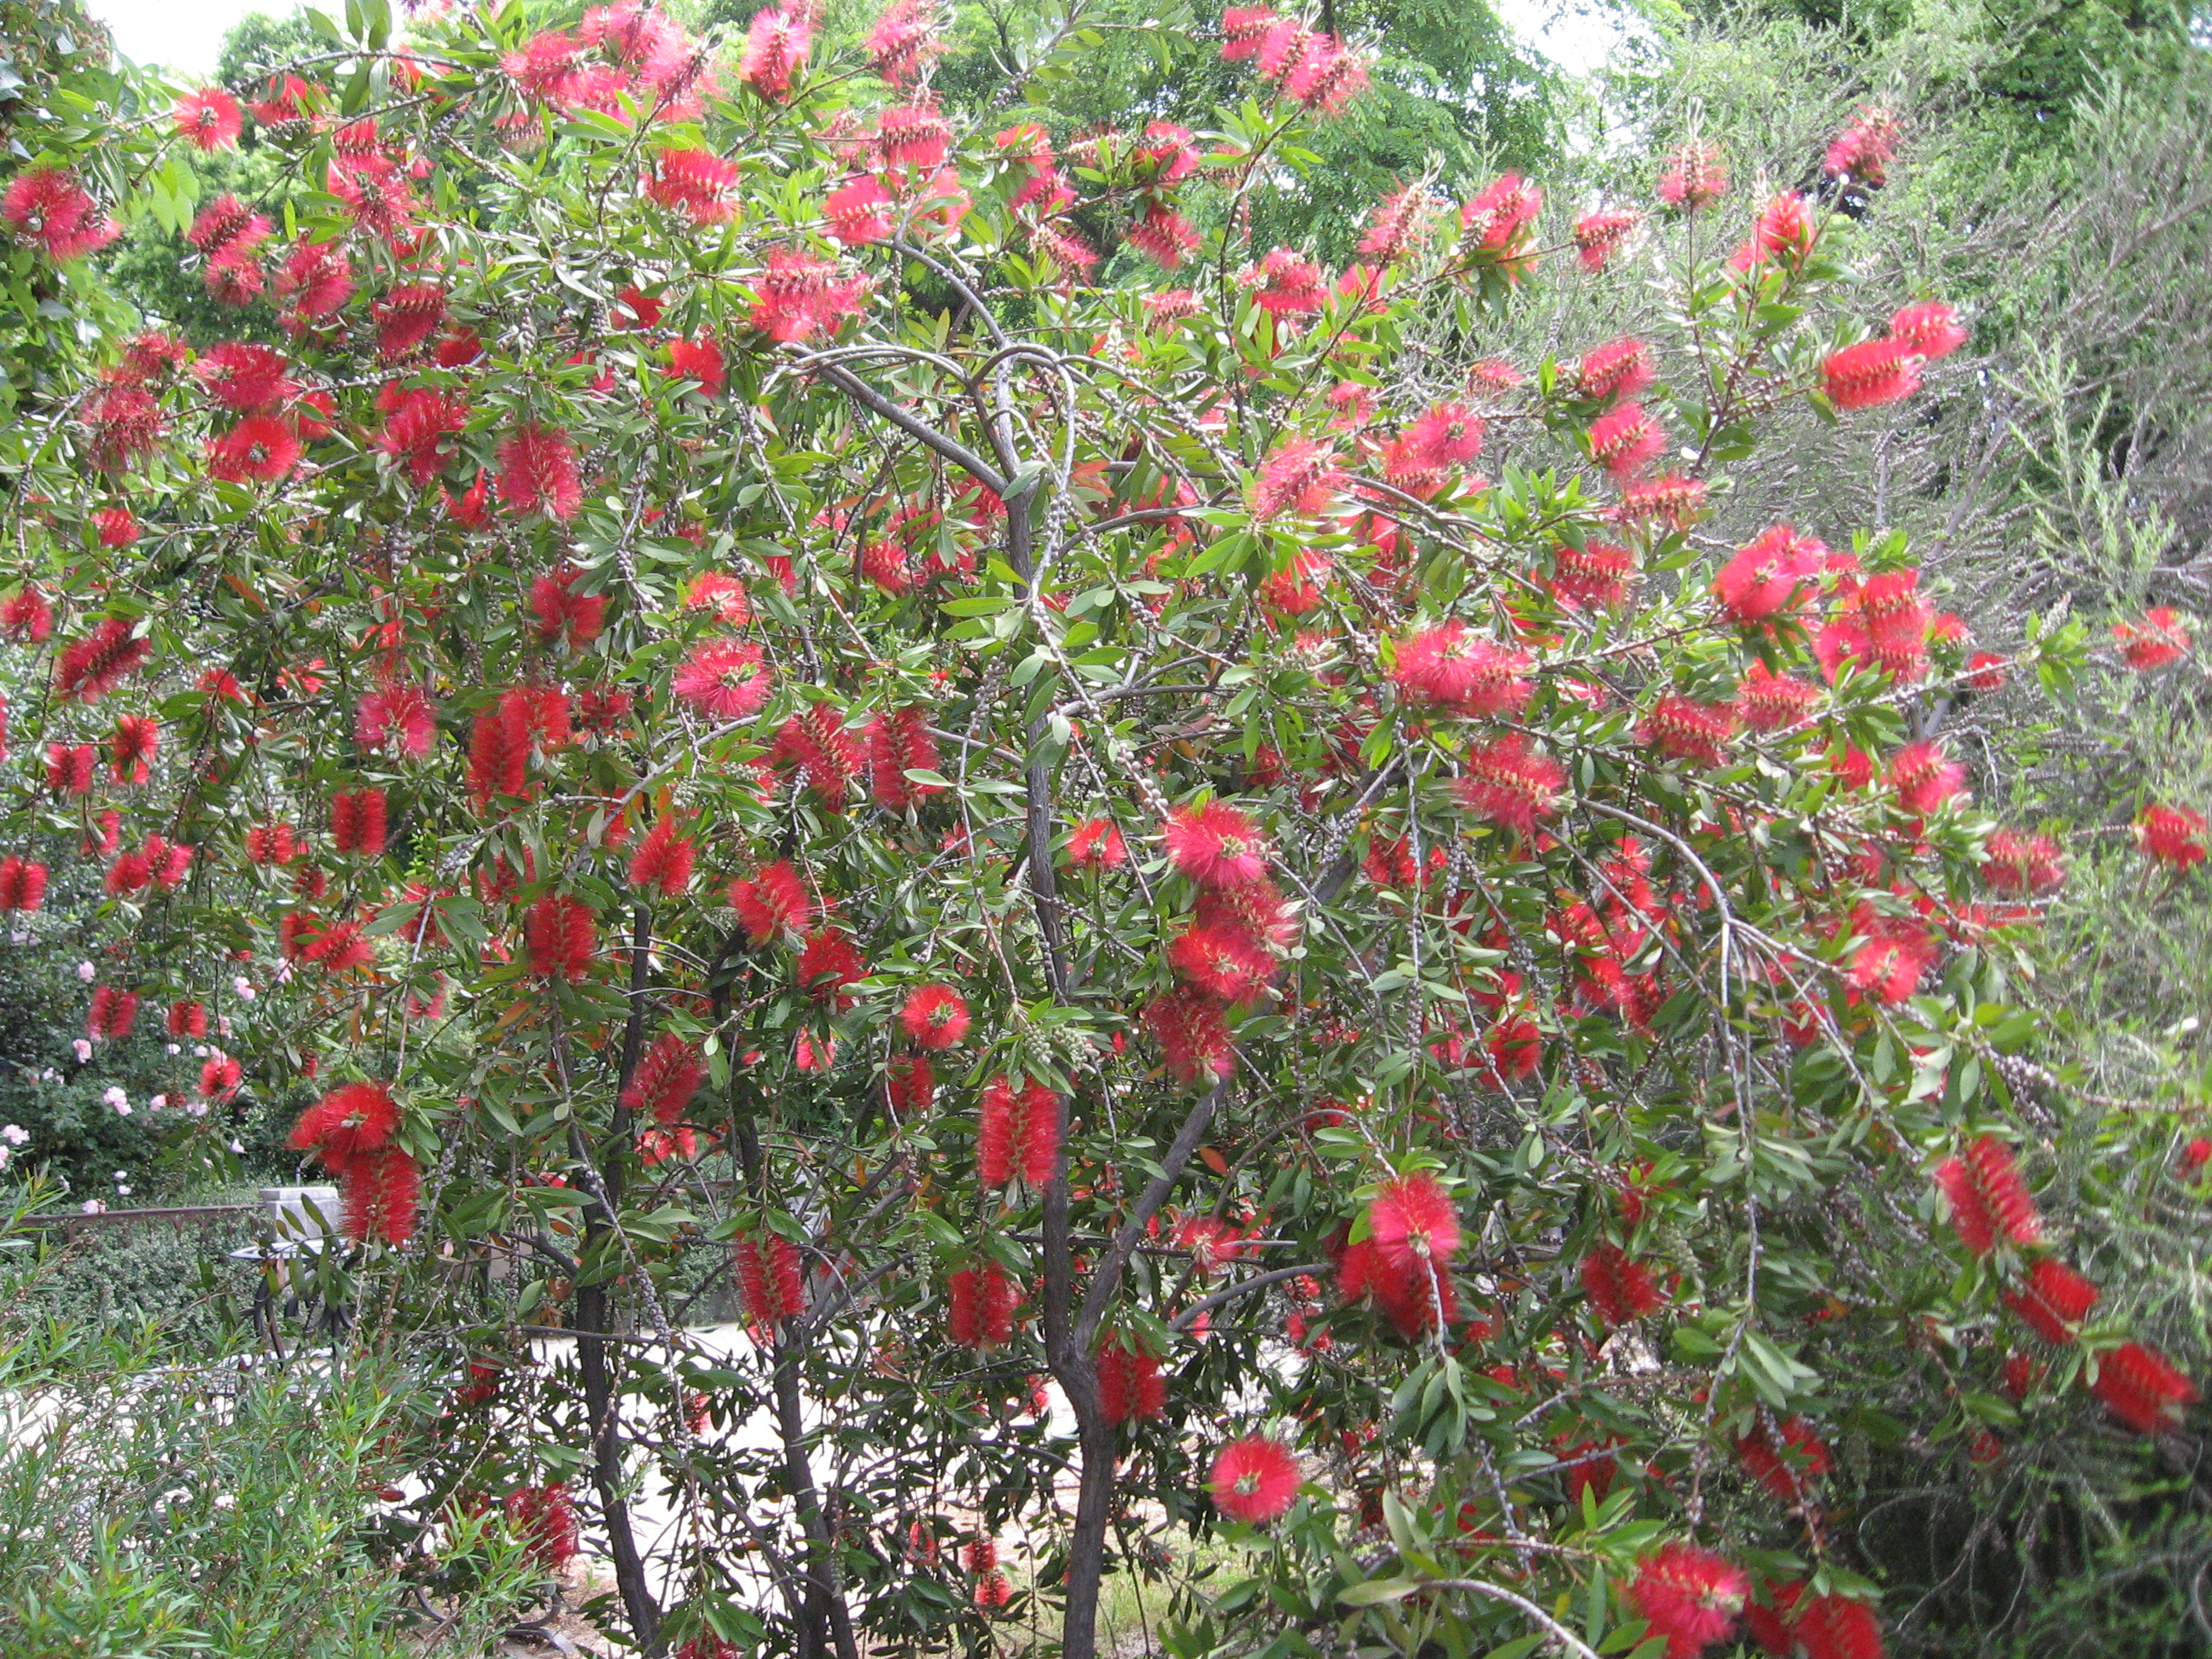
[{"x": 183, "y": 35}]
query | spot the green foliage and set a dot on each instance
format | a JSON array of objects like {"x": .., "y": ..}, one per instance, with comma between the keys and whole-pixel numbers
[{"x": 226, "y": 1508}]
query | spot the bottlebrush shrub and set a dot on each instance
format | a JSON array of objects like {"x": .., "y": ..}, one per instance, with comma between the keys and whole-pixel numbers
[{"x": 1077, "y": 742}]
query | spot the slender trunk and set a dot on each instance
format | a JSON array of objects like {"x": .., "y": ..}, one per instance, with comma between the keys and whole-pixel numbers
[
  {"x": 1072, "y": 1368},
  {"x": 825, "y": 1603},
  {"x": 593, "y": 1322}
]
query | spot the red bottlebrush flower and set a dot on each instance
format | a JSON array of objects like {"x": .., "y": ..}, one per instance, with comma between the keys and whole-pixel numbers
[
  {"x": 1836, "y": 1627},
  {"x": 773, "y": 901},
  {"x": 1989, "y": 1200},
  {"x": 1691, "y": 1596},
  {"x": 907, "y": 37},
  {"x": 2139, "y": 1387},
  {"x": 816, "y": 740},
  {"x": 226, "y": 230},
  {"x": 1192, "y": 1035},
  {"x": 1771, "y": 1625},
  {"x": 1457, "y": 672},
  {"x": 1931, "y": 330},
  {"x": 991, "y": 1592},
  {"x": 668, "y": 1074},
  {"x": 1097, "y": 844},
  {"x": 1599, "y": 236},
  {"x": 1215, "y": 845},
  {"x": 885, "y": 564},
  {"x": 1871, "y": 373},
  {"x": 47, "y": 206},
  {"x": 1222, "y": 962},
  {"x": 359, "y": 824},
  {"x": 1129, "y": 1382},
  {"x": 1685, "y": 730},
  {"x": 129, "y": 873},
  {"x": 914, "y": 136},
  {"x": 382, "y": 1191},
  {"x": 220, "y": 1078},
  {"x": 1514, "y": 1044},
  {"x": 1400, "y": 225},
  {"x": 2055, "y": 1300},
  {"x": 538, "y": 472},
  {"x": 1784, "y": 231},
  {"x": 560, "y": 935},
  {"x": 695, "y": 182},
  {"x": 471, "y": 509},
  {"x": 499, "y": 757},
  {"x": 248, "y": 379},
  {"x": 859, "y": 212},
  {"x": 209, "y": 119},
  {"x": 602, "y": 710},
  {"x": 980, "y": 1306},
  {"x": 1163, "y": 236},
  {"x": 1254, "y": 909},
  {"x": 115, "y": 526},
  {"x": 1017, "y": 1133},
  {"x": 699, "y": 361},
  {"x": 339, "y": 949},
  {"x": 1254, "y": 1480},
  {"x": 1412, "y": 1223},
  {"x": 346, "y": 1124},
  {"x": 2171, "y": 835},
  {"x": 935, "y": 1018},
  {"x": 1286, "y": 283},
  {"x": 2159, "y": 639},
  {"x": 544, "y": 1520},
  {"x": 259, "y": 449},
  {"x": 122, "y": 421},
  {"x": 89, "y": 668},
  {"x": 1326, "y": 77},
  {"x": 136, "y": 736},
  {"x": 1783, "y": 1469},
  {"x": 724, "y": 678},
  {"x": 1619, "y": 369},
  {"x": 23, "y": 882},
  {"x": 1299, "y": 475},
  {"x": 801, "y": 296},
  {"x": 1620, "y": 1290},
  {"x": 417, "y": 424},
  {"x": 1774, "y": 575},
  {"x": 111, "y": 1014},
  {"x": 1499, "y": 220},
  {"x": 899, "y": 743},
  {"x": 561, "y": 613},
  {"x": 1295, "y": 589},
  {"x": 1773, "y": 702},
  {"x": 188, "y": 1020},
  {"x": 721, "y": 593},
  {"x": 2026, "y": 864},
  {"x": 1924, "y": 777},
  {"x": 663, "y": 859},
  {"x": 827, "y": 964},
  {"x": 776, "y": 45},
  {"x": 26, "y": 617},
  {"x": 317, "y": 279},
  {"x": 1863, "y": 150},
  {"x": 406, "y": 316},
  {"x": 909, "y": 1085},
  {"x": 982, "y": 1555},
  {"x": 1625, "y": 439},
  {"x": 1692, "y": 178},
  {"x": 1244, "y": 29},
  {"x": 770, "y": 1277}
]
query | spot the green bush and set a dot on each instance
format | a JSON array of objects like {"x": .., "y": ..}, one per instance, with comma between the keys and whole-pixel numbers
[{"x": 227, "y": 1507}]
